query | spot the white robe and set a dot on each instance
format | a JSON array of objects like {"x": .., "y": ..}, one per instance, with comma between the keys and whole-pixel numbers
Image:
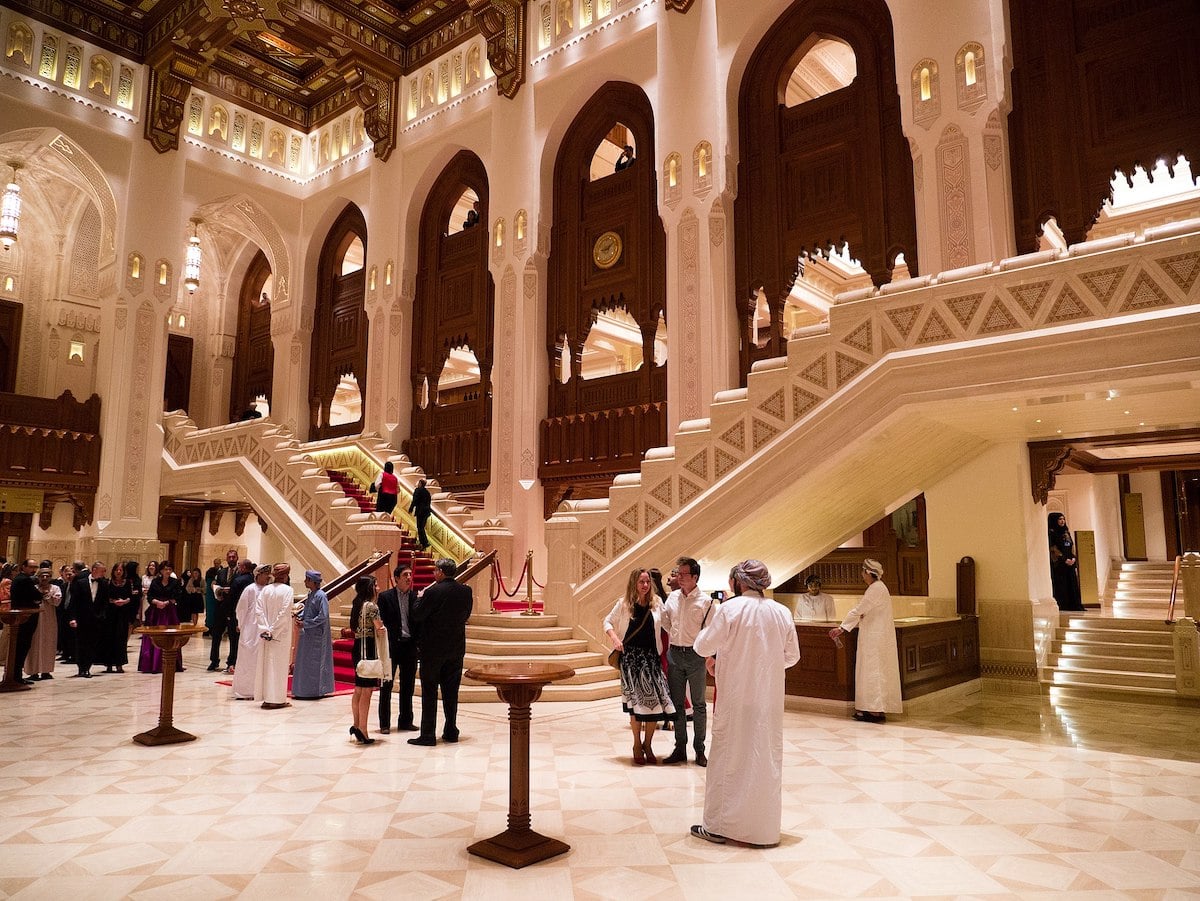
[
  {"x": 877, "y": 670},
  {"x": 273, "y": 613},
  {"x": 246, "y": 671},
  {"x": 754, "y": 639}
]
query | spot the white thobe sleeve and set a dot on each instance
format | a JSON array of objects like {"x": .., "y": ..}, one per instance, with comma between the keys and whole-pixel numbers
[{"x": 713, "y": 636}]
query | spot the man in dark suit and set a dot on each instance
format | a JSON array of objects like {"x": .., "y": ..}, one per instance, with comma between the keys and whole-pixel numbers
[
  {"x": 89, "y": 596},
  {"x": 227, "y": 602},
  {"x": 441, "y": 616},
  {"x": 395, "y": 609},
  {"x": 25, "y": 595},
  {"x": 422, "y": 508}
]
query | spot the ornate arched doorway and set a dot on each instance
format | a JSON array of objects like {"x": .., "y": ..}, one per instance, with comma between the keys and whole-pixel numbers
[
  {"x": 254, "y": 357},
  {"x": 452, "y": 331},
  {"x": 338, "y": 372},
  {"x": 607, "y": 294}
]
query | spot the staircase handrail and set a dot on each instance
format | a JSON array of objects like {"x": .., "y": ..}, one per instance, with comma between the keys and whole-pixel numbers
[
  {"x": 470, "y": 570},
  {"x": 363, "y": 568},
  {"x": 1174, "y": 590}
]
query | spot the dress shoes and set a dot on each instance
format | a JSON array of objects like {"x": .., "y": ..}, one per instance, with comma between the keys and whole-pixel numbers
[
  {"x": 409, "y": 728},
  {"x": 425, "y": 741},
  {"x": 701, "y": 760},
  {"x": 47, "y": 676},
  {"x": 676, "y": 756},
  {"x": 267, "y": 706},
  {"x": 451, "y": 738},
  {"x": 213, "y": 667},
  {"x": 384, "y": 730}
]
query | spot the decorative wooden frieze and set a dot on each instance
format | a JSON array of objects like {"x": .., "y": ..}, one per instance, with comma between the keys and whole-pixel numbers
[{"x": 502, "y": 23}]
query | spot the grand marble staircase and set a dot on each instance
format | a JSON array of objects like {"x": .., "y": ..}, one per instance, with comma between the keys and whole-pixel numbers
[{"x": 1106, "y": 658}]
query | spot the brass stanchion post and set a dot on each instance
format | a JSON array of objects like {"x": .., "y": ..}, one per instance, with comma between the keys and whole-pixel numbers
[
  {"x": 529, "y": 611},
  {"x": 492, "y": 587}
]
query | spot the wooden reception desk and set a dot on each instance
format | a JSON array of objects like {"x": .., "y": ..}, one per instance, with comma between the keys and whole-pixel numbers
[{"x": 935, "y": 652}]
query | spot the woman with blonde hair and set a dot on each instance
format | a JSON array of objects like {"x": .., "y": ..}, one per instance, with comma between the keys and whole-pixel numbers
[{"x": 633, "y": 628}]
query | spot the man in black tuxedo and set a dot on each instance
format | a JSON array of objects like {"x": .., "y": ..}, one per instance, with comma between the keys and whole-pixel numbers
[
  {"x": 441, "y": 616},
  {"x": 395, "y": 609},
  {"x": 224, "y": 620},
  {"x": 25, "y": 595},
  {"x": 89, "y": 596}
]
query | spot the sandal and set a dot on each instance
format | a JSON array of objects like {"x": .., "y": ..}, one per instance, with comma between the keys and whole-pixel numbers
[
  {"x": 700, "y": 832},
  {"x": 639, "y": 758},
  {"x": 650, "y": 758}
]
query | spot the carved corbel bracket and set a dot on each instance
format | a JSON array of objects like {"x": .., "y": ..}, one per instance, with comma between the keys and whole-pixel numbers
[
  {"x": 379, "y": 97},
  {"x": 1046, "y": 461},
  {"x": 171, "y": 79},
  {"x": 214, "y": 521},
  {"x": 502, "y": 23},
  {"x": 240, "y": 517},
  {"x": 680, "y": 6}
]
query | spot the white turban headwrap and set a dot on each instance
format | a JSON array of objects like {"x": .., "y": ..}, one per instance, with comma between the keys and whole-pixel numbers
[
  {"x": 874, "y": 567},
  {"x": 753, "y": 574}
]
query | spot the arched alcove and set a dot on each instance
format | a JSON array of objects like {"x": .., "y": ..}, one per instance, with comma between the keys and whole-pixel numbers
[
  {"x": 453, "y": 314},
  {"x": 823, "y": 160},
  {"x": 338, "y": 353},
  {"x": 254, "y": 355}
]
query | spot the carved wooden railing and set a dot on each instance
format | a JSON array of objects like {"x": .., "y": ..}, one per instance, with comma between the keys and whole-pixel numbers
[
  {"x": 51, "y": 445},
  {"x": 1174, "y": 590},
  {"x": 1027, "y": 297},
  {"x": 336, "y": 586}
]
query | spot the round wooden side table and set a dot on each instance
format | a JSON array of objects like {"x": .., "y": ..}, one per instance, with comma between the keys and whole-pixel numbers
[
  {"x": 13, "y": 620},
  {"x": 169, "y": 639},
  {"x": 519, "y": 685}
]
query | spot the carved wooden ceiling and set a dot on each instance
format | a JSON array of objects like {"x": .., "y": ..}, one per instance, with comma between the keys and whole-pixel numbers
[{"x": 297, "y": 62}]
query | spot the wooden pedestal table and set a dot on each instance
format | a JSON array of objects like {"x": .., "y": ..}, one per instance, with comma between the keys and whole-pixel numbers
[
  {"x": 13, "y": 620},
  {"x": 519, "y": 685},
  {"x": 169, "y": 639}
]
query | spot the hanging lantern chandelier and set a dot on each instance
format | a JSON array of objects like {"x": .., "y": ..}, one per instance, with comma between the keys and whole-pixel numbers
[
  {"x": 191, "y": 262},
  {"x": 10, "y": 210}
]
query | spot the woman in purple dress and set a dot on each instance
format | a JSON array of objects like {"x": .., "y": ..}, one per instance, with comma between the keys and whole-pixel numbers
[{"x": 162, "y": 609}]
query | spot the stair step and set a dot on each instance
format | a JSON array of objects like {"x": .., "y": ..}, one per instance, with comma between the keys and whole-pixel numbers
[
  {"x": 1077, "y": 663},
  {"x": 1114, "y": 648},
  {"x": 521, "y": 648},
  {"x": 1108, "y": 678},
  {"x": 512, "y": 620},
  {"x": 577, "y": 660},
  {"x": 1067, "y": 693},
  {"x": 513, "y": 633},
  {"x": 1113, "y": 637},
  {"x": 1095, "y": 623}
]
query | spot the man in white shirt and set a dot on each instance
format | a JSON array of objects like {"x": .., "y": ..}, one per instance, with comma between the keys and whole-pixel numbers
[
  {"x": 815, "y": 605},
  {"x": 685, "y": 613},
  {"x": 273, "y": 620}
]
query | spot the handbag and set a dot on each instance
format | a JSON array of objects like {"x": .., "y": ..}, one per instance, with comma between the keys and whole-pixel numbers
[{"x": 369, "y": 668}]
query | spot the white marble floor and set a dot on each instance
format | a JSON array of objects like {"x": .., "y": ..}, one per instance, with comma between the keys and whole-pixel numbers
[{"x": 990, "y": 795}]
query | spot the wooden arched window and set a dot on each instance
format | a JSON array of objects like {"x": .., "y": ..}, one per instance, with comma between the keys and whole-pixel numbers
[
  {"x": 607, "y": 252},
  {"x": 254, "y": 356},
  {"x": 452, "y": 331},
  {"x": 827, "y": 172},
  {"x": 339, "y": 339},
  {"x": 1093, "y": 94}
]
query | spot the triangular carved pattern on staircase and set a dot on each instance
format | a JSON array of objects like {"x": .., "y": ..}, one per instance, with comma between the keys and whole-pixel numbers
[
  {"x": 773, "y": 405},
  {"x": 1030, "y": 297},
  {"x": 999, "y": 318},
  {"x": 1183, "y": 269},
  {"x": 847, "y": 368},
  {"x": 599, "y": 542},
  {"x": 663, "y": 494},
  {"x": 1103, "y": 283},
  {"x": 817, "y": 372},
  {"x": 620, "y": 541},
  {"x": 653, "y": 516},
  {"x": 903, "y": 319},
  {"x": 698, "y": 465},
  {"x": 1145, "y": 294},
  {"x": 687, "y": 490},
  {"x": 963, "y": 309},
  {"x": 629, "y": 519},
  {"x": 1068, "y": 307},
  {"x": 935, "y": 330},
  {"x": 735, "y": 436},
  {"x": 762, "y": 432},
  {"x": 861, "y": 338},
  {"x": 802, "y": 401},
  {"x": 723, "y": 463},
  {"x": 588, "y": 565}
]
